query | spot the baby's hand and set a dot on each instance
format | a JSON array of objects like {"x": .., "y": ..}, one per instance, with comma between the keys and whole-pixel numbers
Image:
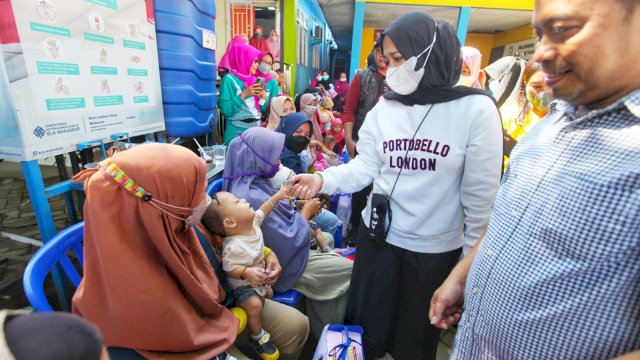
[
  {"x": 255, "y": 276},
  {"x": 285, "y": 191}
]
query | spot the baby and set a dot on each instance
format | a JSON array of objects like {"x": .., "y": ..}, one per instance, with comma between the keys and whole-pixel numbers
[
  {"x": 326, "y": 113},
  {"x": 329, "y": 143},
  {"x": 243, "y": 257}
]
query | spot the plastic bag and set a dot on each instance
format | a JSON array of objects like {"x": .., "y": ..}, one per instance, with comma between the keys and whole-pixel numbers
[
  {"x": 343, "y": 212},
  {"x": 340, "y": 342}
]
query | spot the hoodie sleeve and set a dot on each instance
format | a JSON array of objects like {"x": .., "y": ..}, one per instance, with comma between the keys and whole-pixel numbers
[{"x": 364, "y": 168}]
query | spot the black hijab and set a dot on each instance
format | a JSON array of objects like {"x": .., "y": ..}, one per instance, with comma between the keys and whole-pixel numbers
[{"x": 412, "y": 33}]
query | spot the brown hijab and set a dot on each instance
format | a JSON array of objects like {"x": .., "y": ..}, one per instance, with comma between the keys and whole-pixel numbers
[{"x": 147, "y": 283}]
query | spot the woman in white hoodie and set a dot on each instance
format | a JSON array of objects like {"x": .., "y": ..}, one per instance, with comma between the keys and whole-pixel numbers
[{"x": 433, "y": 153}]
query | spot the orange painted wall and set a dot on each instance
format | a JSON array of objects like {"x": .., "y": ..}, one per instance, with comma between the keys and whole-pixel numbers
[
  {"x": 367, "y": 45},
  {"x": 482, "y": 42},
  {"x": 515, "y": 35}
]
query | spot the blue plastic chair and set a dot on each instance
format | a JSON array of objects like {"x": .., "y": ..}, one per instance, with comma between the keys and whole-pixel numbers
[{"x": 54, "y": 252}]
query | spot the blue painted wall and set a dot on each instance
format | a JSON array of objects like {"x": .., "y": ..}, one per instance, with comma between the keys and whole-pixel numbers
[{"x": 305, "y": 73}]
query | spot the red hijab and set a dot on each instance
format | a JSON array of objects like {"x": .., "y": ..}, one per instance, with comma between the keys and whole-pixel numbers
[{"x": 259, "y": 43}]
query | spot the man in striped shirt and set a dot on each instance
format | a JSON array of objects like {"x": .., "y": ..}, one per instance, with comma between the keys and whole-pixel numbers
[{"x": 557, "y": 275}]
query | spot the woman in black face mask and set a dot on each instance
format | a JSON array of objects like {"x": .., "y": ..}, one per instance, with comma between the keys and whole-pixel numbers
[{"x": 297, "y": 129}]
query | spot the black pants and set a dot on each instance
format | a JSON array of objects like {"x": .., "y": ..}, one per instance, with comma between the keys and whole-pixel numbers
[{"x": 389, "y": 297}]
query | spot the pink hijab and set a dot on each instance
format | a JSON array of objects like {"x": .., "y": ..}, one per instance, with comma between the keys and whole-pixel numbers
[
  {"x": 306, "y": 99},
  {"x": 241, "y": 58},
  {"x": 338, "y": 136},
  {"x": 472, "y": 58},
  {"x": 224, "y": 61},
  {"x": 274, "y": 45}
]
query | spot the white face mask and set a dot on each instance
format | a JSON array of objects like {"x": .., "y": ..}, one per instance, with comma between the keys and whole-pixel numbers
[
  {"x": 264, "y": 68},
  {"x": 309, "y": 109},
  {"x": 343, "y": 79},
  {"x": 403, "y": 79},
  {"x": 465, "y": 80}
]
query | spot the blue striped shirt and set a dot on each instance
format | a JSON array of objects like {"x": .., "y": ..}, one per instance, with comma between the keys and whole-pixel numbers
[{"x": 558, "y": 273}]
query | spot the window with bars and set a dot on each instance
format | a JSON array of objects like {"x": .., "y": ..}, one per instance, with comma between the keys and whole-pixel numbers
[
  {"x": 315, "y": 56},
  {"x": 302, "y": 55}
]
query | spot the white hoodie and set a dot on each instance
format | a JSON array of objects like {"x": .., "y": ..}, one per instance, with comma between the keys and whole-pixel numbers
[{"x": 444, "y": 194}]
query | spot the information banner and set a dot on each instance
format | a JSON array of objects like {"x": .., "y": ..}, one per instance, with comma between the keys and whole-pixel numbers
[
  {"x": 523, "y": 49},
  {"x": 75, "y": 71}
]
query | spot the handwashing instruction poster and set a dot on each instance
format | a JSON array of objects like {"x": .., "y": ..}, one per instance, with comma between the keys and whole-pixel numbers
[{"x": 76, "y": 71}]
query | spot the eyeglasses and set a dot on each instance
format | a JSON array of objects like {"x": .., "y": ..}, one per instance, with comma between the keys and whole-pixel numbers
[{"x": 301, "y": 133}]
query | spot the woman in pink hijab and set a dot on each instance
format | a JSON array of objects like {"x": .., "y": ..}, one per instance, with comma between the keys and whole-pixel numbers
[
  {"x": 242, "y": 99},
  {"x": 224, "y": 60},
  {"x": 471, "y": 74},
  {"x": 274, "y": 46}
]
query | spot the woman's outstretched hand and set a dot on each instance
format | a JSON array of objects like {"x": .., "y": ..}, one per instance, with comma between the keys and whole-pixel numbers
[{"x": 305, "y": 186}]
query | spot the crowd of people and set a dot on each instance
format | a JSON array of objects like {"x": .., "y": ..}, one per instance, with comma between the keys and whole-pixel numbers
[{"x": 503, "y": 199}]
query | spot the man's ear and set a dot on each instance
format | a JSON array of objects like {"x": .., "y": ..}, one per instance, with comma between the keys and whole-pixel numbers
[
  {"x": 482, "y": 79},
  {"x": 229, "y": 223}
]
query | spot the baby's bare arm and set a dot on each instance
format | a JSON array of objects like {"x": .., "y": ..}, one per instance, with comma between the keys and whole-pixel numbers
[{"x": 272, "y": 202}]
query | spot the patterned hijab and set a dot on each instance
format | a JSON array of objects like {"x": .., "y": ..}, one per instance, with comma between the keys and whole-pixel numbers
[{"x": 147, "y": 283}]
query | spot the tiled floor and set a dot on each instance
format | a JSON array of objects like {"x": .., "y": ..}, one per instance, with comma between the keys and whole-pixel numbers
[{"x": 446, "y": 342}]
